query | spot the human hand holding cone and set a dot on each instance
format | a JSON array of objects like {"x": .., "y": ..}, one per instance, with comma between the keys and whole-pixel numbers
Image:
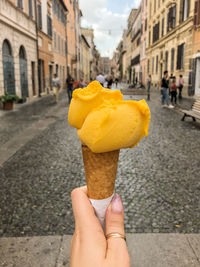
[
  {"x": 105, "y": 123},
  {"x": 100, "y": 173}
]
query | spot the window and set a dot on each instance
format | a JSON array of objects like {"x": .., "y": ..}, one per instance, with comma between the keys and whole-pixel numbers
[
  {"x": 152, "y": 65},
  {"x": 58, "y": 43},
  {"x": 138, "y": 41},
  {"x": 163, "y": 26},
  {"x": 166, "y": 60},
  {"x": 171, "y": 18},
  {"x": 54, "y": 40},
  {"x": 184, "y": 10},
  {"x": 156, "y": 30},
  {"x": 156, "y": 64},
  {"x": 172, "y": 59},
  {"x": 197, "y": 13},
  {"x": 145, "y": 25},
  {"x": 20, "y": 4},
  {"x": 30, "y": 6},
  {"x": 49, "y": 25},
  {"x": 66, "y": 48},
  {"x": 39, "y": 16},
  {"x": 148, "y": 65},
  {"x": 180, "y": 57},
  {"x": 149, "y": 38}
]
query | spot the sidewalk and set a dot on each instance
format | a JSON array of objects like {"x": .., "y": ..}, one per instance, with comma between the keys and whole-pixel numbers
[{"x": 146, "y": 250}]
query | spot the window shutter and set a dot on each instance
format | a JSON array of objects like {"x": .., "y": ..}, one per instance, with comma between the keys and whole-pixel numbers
[
  {"x": 30, "y": 8},
  {"x": 196, "y": 13},
  {"x": 172, "y": 59},
  {"x": 39, "y": 17},
  {"x": 188, "y": 11},
  {"x": 181, "y": 13}
]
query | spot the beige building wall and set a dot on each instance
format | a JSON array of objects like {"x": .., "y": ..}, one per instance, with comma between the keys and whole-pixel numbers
[
  {"x": 58, "y": 47},
  {"x": 71, "y": 38},
  {"x": 19, "y": 29},
  {"x": 85, "y": 59},
  {"x": 182, "y": 33}
]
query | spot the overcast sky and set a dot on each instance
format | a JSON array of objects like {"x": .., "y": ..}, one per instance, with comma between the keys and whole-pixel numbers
[{"x": 108, "y": 18}]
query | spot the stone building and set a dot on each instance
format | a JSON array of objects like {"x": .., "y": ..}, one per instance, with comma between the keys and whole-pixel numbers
[
  {"x": 71, "y": 38},
  {"x": 85, "y": 59},
  {"x": 59, "y": 47},
  {"x": 105, "y": 65},
  {"x": 45, "y": 34},
  {"x": 170, "y": 36},
  {"x": 196, "y": 49},
  {"x": 135, "y": 48},
  {"x": 18, "y": 48},
  {"x": 143, "y": 58},
  {"x": 129, "y": 44}
]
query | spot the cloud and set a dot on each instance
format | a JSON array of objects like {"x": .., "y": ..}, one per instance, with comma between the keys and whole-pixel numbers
[{"x": 108, "y": 26}]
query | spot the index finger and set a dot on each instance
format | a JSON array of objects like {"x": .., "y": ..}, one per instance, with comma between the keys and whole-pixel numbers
[{"x": 84, "y": 214}]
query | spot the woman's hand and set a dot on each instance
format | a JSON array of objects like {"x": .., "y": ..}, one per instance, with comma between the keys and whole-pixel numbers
[{"x": 89, "y": 247}]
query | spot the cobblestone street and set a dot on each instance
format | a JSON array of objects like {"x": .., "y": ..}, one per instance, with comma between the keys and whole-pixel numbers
[{"x": 159, "y": 180}]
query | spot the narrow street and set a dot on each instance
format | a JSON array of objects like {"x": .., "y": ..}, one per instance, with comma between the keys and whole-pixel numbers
[{"x": 158, "y": 180}]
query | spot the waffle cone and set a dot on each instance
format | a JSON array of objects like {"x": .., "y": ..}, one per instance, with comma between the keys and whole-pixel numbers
[{"x": 100, "y": 172}]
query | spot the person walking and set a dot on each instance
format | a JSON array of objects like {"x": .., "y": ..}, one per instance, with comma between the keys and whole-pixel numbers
[
  {"x": 173, "y": 91},
  {"x": 180, "y": 86},
  {"x": 116, "y": 81},
  {"x": 164, "y": 90},
  {"x": 110, "y": 81},
  {"x": 69, "y": 82},
  {"x": 148, "y": 86},
  {"x": 100, "y": 78},
  {"x": 56, "y": 86}
]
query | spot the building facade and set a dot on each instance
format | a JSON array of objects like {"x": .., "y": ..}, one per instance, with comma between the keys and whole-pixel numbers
[
  {"x": 59, "y": 40},
  {"x": 196, "y": 48},
  {"x": 131, "y": 19},
  {"x": 143, "y": 58},
  {"x": 85, "y": 59},
  {"x": 170, "y": 36},
  {"x": 45, "y": 34},
  {"x": 18, "y": 48},
  {"x": 136, "y": 48}
]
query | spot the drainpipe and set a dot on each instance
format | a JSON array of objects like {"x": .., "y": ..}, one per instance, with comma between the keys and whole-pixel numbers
[{"x": 36, "y": 28}]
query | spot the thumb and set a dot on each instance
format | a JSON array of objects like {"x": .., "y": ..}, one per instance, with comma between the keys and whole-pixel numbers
[{"x": 116, "y": 246}]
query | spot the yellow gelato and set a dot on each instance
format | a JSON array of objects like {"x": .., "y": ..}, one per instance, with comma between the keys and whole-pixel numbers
[{"x": 105, "y": 121}]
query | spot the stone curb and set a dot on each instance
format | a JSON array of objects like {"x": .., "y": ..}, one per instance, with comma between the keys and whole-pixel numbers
[{"x": 146, "y": 250}]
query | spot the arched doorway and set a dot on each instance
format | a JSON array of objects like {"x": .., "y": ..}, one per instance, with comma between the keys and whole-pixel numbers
[
  {"x": 8, "y": 68},
  {"x": 23, "y": 72}
]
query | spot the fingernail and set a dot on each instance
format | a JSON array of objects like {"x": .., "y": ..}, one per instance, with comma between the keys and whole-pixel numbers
[{"x": 116, "y": 204}]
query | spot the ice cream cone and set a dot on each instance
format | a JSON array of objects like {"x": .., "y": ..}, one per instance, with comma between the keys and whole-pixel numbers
[{"x": 100, "y": 172}]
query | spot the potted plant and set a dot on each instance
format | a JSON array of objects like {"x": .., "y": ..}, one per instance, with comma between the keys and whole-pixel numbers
[{"x": 8, "y": 100}]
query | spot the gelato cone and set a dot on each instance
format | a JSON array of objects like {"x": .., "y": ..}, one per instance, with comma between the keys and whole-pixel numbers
[
  {"x": 100, "y": 172},
  {"x": 105, "y": 124}
]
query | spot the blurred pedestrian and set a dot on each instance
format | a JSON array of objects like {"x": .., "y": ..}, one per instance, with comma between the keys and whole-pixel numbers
[
  {"x": 171, "y": 78},
  {"x": 110, "y": 81},
  {"x": 116, "y": 81},
  {"x": 100, "y": 78},
  {"x": 173, "y": 90},
  {"x": 180, "y": 86},
  {"x": 69, "y": 82},
  {"x": 148, "y": 86},
  {"x": 164, "y": 89},
  {"x": 56, "y": 86}
]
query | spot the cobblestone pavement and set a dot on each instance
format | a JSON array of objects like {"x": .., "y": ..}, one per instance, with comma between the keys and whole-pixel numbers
[{"x": 158, "y": 180}]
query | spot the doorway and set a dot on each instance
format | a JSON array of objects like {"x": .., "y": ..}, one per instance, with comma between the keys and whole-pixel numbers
[
  {"x": 197, "y": 82},
  {"x": 8, "y": 68}
]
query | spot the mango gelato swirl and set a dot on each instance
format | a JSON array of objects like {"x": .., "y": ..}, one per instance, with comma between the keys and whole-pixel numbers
[{"x": 105, "y": 122}]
